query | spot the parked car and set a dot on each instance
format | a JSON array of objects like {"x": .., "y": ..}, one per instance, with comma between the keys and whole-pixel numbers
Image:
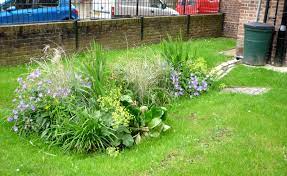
[
  {"x": 31, "y": 11},
  {"x": 102, "y": 9},
  {"x": 190, "y": 7}
]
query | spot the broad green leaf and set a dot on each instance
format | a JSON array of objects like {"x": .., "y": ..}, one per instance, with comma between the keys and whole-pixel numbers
[
  {"x": 165, "y": 128},
  {"x": 154, "y": 123},
  {"x": 128, "y": 140},
  {"x": 126, "y": 98},
  {"x": 163, "y": 113}
]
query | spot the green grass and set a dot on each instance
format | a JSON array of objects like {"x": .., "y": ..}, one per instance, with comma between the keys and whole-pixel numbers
[{"x": 215, "y": 134}]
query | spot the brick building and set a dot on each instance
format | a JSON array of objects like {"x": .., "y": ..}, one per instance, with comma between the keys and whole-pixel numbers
[{"x": 239, "y": 12}]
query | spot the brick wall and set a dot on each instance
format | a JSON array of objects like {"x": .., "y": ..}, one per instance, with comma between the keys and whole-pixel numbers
[
  {"x": 231, "y": 10},
  {"x": 21, "y": 42}
]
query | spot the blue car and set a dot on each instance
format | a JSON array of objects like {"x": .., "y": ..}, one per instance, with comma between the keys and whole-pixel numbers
[{"x": 34, "y": 11}]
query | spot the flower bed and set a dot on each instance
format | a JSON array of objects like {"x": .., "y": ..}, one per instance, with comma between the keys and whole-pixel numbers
[{"x": 87, "y": 107}]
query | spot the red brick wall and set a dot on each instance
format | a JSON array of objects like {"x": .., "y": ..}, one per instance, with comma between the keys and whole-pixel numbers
[
  {"x": 231, "y": 10},
  {"x": 21, "y": 42}
]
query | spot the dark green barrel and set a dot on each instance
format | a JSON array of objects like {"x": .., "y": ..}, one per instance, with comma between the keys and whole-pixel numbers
[{"x": 257, "y": 42}]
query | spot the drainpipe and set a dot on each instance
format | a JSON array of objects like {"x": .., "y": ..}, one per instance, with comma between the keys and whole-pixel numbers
[
  {"x": 276, "y": 12},
  {"x": 266, "y": 11},
  {"x": 281, "y": 44},
  {"x": 258, "y": 10},
  {"x": 267, "y": 7}
]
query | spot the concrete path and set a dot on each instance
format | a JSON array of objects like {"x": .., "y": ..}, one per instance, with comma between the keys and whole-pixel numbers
[
  {"x": 223, "y": 69},
  {"x": 246, "y": 90}
]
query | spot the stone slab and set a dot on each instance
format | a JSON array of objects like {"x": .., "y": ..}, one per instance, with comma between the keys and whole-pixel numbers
[{"x": 246, "y": 90}]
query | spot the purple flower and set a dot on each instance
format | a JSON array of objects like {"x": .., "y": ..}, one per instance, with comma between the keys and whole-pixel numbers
[
  {"x": 204, "y": 85},
  {"x": 22, "y": 106},
  {"x": 24, "y": 86},
  {"x": 199, "y": 88},
  {"x": 33, "y": 108},
  {"x": 175, "y": 81},
  {"x": 15, "y": 112},
  {"x": 89, "y": 84},
  {"x": 15, "y": 128},
  {"x": 195, "y": 83},
  {"x": 34, "y": 74},
  {"x": 10, "y": 119}
]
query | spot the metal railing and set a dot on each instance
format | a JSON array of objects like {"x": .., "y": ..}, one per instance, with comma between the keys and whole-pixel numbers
[{"x": 36, "y": 11}]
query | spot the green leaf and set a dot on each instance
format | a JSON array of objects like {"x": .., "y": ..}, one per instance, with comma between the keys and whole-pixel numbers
[
  {"x": 128, "y": 140},
  {"x": 123, "y": 129},
  {"x": 163, "y": 113},
  {"x": 159, "y": 112},
  {"x": 126, "y": 98},
  {"x": 154, "y": 123},
  {"x": 116, "y": 142},
  {"x": 165, "y": 128},
  {"x": 148, "y": 116}
]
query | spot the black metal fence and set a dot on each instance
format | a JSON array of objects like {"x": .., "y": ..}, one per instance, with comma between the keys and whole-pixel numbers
[{"x": 35, "y": 11}]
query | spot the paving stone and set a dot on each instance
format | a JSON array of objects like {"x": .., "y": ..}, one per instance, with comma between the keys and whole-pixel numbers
[
  {"x": 277, "y": 69},
  {"x": 247, "y": 90},
  {"x": 270, "y": 67},
  {"x": 223, "y": 69}
]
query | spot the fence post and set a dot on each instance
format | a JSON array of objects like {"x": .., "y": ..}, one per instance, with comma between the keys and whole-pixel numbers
[
  {"x": 70, "y": 9},
  {"x": 184, "y": 4},
  {"x": 76, "y": 34},
  {"x": 188, "y": 25},
  {"x": 142, "y": 27},
  {"x": 219, "y": 6},
  {"x": 137, "y": 8}
]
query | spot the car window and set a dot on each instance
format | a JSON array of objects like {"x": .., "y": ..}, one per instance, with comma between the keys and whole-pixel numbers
[
  {"x": 5, "y": 4},
  {"x": 23, "y": 4},
  {"x": 155, "y": 3},
  {"x": 47, "y": 3},
  {"x": 187, "y": 2},
  {"x": 191, "y": 2}
]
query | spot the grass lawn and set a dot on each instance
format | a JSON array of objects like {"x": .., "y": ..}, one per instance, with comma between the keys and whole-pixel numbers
[{"x": 215, "y": 134}]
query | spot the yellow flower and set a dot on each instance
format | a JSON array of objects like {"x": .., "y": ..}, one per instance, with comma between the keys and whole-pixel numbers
[{"x": 111, "y": 102}]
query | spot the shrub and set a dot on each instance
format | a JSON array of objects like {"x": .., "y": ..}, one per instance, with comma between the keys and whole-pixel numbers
[{"x": 188, "y": 74}]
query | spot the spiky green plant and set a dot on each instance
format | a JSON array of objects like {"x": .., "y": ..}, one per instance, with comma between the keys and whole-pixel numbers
[{"x": 175, "y": 51}]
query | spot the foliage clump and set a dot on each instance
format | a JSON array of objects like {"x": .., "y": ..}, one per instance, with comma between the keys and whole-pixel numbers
[
  {"x": 80, "y": 108},
  {"x": 189, "y": 73},
  {"x": 86, "y": 107}
]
